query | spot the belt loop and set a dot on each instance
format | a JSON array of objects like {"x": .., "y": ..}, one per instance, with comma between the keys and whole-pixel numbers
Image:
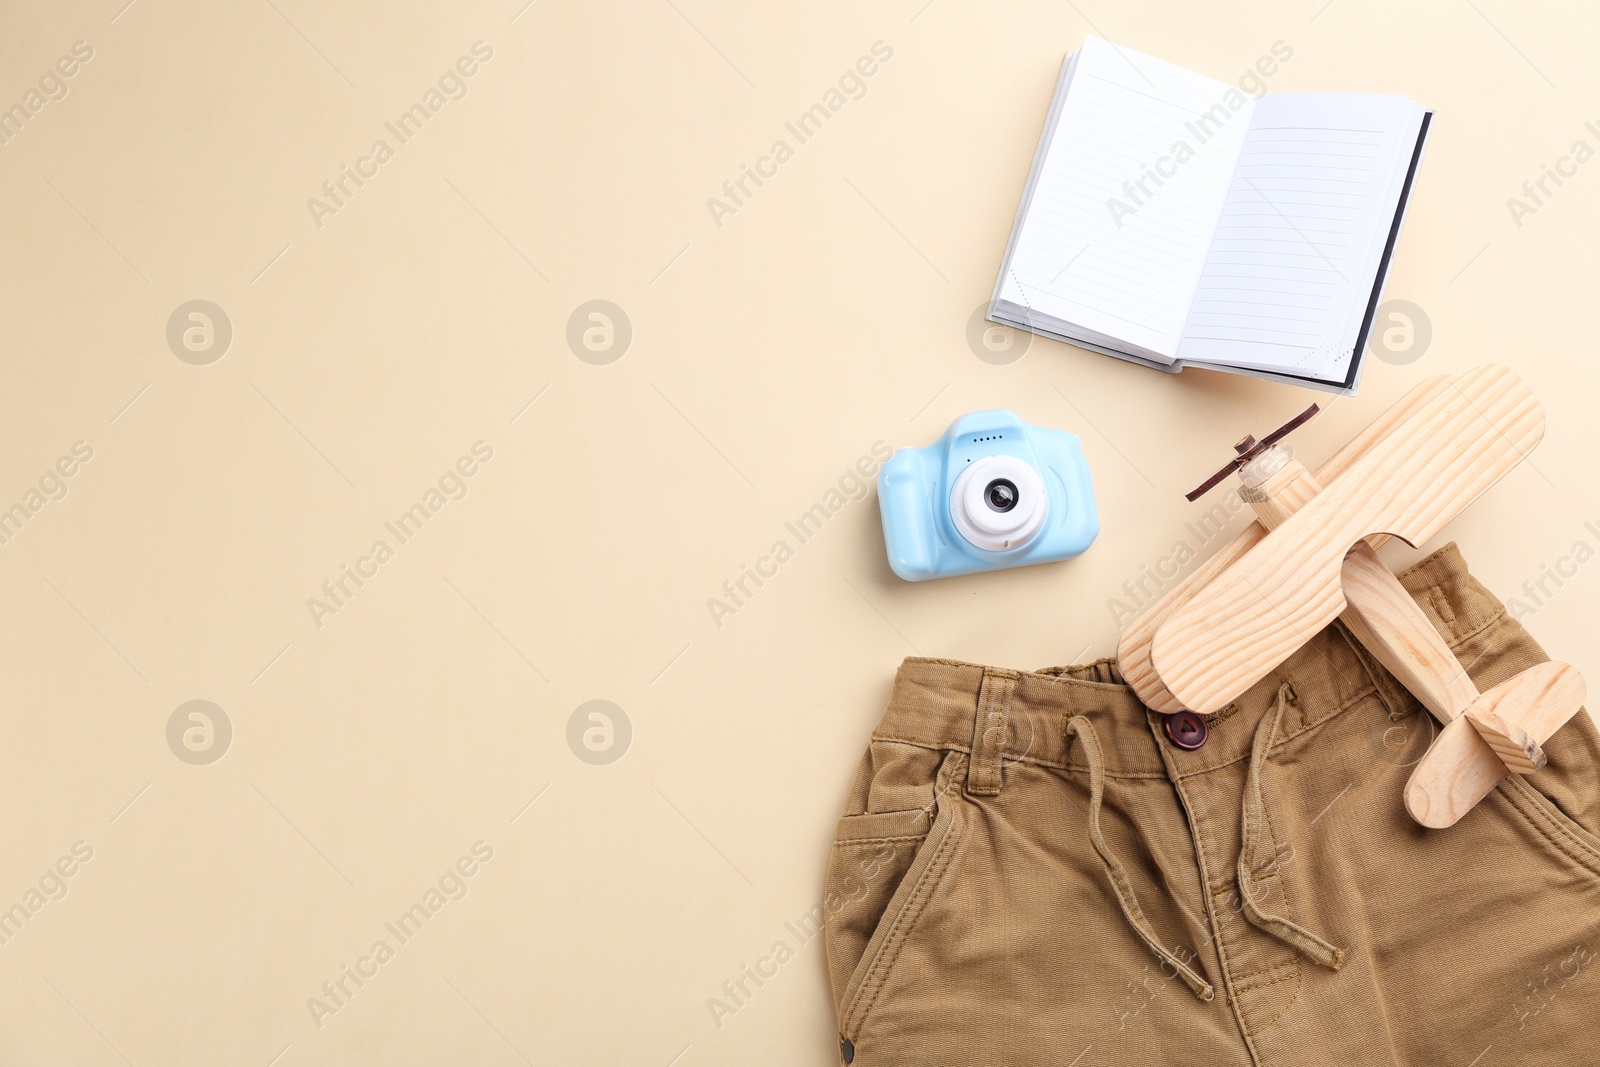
[{"x": 989, "y": 732}]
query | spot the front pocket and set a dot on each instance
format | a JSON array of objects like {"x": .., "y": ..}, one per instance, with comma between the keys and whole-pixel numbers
[
  {"x": 885, "y": 867},
  {"x": 1553, "y": 828}
]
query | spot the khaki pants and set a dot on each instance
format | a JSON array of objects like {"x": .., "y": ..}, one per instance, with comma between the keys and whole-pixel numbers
[{"x": 1029, "y": 872}]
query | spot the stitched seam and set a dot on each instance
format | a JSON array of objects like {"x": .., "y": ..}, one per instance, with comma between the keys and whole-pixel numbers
[
  {"x": 1292, "y": 976},
  {"x": 888, "y": 951},
  {"x": 1218, "y": 938},
  {"x": 1555, "y": 826},
  {"x": 850, "y": 1008},
  {"x": 1299, "y": 980},
  {"x": 962, "y": 746},
  {"x": 1539, "y": 801},
  {"x": 1064, "y": 680},
  {"x": 1068, "y": 681},
  {"x": 1242, "y": 981},
  {"x": 984, "y": 775},
  {"x": 1282, "y": 737},
  {"x": 1279, "y": 923},
  {"x": 1548, "y": 830},
  {"x": 854, "y": 841},
  {"x": 1216, "y": 929},
  {"x": 1078, "y": 768},
  {"x": 1441, "y": 605},
  {"x": 1553, "y": 831},
  {"x": 1037, "y": 761},
  {"x": 878, "y": 977},
  {"x": 1223, "y": 714},
  {"x": 1430, "y": 559},
  {"x": 1068, "y": 765},
  {"x": 1277, "y": 868},
  {"x": 1493, "y": 620},
  {"x": 1391, "y": 693},
  {"x": 1200, "y": 855},
  {"x": 922, "y": 742},
  {"x": 1238, "y": 890},
  {"x": 1344, "y": 705}
]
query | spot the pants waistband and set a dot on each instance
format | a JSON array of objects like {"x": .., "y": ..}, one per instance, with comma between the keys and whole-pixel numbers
[{"x": 1001, "y": 715}]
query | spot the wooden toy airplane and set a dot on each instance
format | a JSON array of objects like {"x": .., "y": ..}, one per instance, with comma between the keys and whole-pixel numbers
[{"x": 1310, "y": 559}]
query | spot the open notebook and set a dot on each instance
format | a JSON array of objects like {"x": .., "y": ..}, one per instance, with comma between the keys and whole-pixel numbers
[{"x": 1174, "y": 220}]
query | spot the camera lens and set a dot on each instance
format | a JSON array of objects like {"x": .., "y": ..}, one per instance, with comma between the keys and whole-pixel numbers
[
  {"x": 998, "y": 503},
  {"x": 1001, "y": 494}
]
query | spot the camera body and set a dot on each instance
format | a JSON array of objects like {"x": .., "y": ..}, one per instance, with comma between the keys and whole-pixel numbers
[{"x": 993, "y": 492}]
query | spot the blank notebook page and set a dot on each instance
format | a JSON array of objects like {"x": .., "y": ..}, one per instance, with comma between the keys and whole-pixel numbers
[
  {"x": 1302, "y": 232},
  {"x": 1131, "y": 277}
]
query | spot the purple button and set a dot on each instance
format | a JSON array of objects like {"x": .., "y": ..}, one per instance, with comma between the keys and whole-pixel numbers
[{"x": 1187, "y": 730}]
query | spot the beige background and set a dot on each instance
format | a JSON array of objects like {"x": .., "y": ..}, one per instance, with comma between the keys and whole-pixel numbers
[{"x": 767, "y": 355}]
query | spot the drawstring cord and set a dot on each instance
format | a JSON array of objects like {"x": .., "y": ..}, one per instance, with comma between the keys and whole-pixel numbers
[
  {"x": 1120, "y": 884},
  {"x": 1253, "y": 816},
  {"x": 1255, "y": 812}
]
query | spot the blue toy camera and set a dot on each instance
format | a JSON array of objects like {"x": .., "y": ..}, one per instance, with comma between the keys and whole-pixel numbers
[{"x": 992, "y": 492}]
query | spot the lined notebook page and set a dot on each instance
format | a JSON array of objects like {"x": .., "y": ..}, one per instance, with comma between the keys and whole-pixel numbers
[
  {"x": 1302, "y": 232},
  {"x": 1097, "y": 248}
]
